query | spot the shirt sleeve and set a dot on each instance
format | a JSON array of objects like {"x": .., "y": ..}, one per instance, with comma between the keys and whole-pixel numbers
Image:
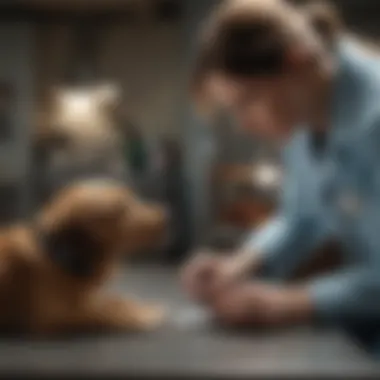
[
  {"x": 354, "y": 295},
  {"x": 347, "y": 296},
  {"x": 284, "y": 240}
]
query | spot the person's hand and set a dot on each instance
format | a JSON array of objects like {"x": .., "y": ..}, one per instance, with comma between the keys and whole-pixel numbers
[
  {"x": 208, "y": 274},
  {"x": 200, "y": 274},
  {"x": 259, "y": 304}
]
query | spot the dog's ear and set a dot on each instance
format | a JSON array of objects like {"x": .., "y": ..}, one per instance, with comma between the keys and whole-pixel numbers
[{"x": 73, "y": 249}]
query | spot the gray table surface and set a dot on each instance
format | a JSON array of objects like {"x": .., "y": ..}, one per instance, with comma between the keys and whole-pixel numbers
[{"x": 188, "y": 346}]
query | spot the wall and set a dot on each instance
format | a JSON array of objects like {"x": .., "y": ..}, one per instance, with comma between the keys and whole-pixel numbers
[
  {"x": 151, "y": 63},
  {"x": 198, "y": 138},
  {"x": 145, "y": 59},
  {"x": 16, "y": 66}
]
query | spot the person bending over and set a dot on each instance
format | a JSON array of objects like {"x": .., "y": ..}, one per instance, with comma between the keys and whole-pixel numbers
[{"x": 292, "y": 75}]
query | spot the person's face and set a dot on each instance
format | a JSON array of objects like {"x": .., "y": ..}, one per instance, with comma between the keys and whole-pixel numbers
[{"x": 268, "y": 106}]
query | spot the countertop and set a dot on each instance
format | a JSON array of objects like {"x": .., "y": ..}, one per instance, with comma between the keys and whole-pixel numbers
[{"x": 188, "y": 346}]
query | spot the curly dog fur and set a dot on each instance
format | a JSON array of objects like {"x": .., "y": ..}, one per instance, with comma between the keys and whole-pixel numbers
[{"x": 52, "y": 271}]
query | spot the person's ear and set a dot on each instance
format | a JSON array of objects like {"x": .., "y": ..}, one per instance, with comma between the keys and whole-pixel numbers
[{"x": 325, "y": 20}]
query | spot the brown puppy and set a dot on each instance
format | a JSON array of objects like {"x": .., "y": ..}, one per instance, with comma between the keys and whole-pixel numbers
[{"x": 52, "y": 271}]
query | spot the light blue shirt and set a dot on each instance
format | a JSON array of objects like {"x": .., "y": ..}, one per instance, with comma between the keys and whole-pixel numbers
[{"x": 337, "y": 195}]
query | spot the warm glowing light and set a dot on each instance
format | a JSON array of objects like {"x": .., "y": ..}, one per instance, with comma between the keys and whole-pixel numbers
[
  {"x": 84, "y": 110},
  {"x": 81, "y": 104},
  {"x": 78, "y": 103}
]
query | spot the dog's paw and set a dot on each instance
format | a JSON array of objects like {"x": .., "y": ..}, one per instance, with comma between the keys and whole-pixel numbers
[
  {"x": 125, "y": 314},
  {"x": 150, "y": 317}
]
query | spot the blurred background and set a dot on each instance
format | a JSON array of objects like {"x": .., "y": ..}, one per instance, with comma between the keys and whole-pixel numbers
[{"x": 98, "y": 88}]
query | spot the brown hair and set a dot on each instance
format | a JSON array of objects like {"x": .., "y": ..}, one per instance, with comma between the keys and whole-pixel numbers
[{"x": 250, "y": 37}]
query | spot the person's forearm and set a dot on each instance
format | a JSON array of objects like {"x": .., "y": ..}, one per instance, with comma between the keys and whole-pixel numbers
[
  {"x": 347, "y": 295},
  {"x": 339, "y": 298},
  {"x": 279, "y": 247},
  {"x": 297, "y": 306},
  {"x": 287, "y": 305},
  {"x": 264, "y": 304},
  {"x": 269, "y": 244},
  {"x": 264, "y": 242},
  {"x": 246, "y": 261}
]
